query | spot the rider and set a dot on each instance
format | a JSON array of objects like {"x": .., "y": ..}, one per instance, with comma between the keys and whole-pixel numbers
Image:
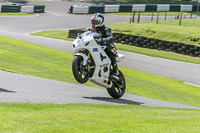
[{"x": 106, "y": 38}]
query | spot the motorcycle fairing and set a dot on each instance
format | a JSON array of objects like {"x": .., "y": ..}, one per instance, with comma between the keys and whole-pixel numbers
[{"x": 97, "y": 53}]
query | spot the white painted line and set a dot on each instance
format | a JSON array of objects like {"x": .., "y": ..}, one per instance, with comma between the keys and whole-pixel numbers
[
  {"x": 56, "y": 14},
  {"x": 192, "y": 84}
]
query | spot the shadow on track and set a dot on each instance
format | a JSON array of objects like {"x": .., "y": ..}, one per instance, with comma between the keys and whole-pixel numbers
[
  {"x": 4, "y": 90},
  {"x": 112, "y": 100}
]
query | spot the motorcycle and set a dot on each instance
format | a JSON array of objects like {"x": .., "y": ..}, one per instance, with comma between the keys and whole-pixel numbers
[{"x": 91, "y": 63}]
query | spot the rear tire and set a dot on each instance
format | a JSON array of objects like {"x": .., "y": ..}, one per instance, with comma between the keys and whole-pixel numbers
[
  {"x": 80, "y": 74},
  {"x": 115, "y": 91}
]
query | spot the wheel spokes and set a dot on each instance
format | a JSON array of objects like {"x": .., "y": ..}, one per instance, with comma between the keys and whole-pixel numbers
[
  {"x": 81, "y": 72},
  {"x": 119, "y": 90}
]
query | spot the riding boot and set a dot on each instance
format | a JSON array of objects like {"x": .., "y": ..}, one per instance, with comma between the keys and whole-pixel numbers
[
  {"x": 112, "y": 52},
  {"x": 115, "y": 69}
]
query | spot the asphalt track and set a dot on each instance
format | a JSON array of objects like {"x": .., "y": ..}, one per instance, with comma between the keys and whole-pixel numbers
[{"x": 21, "y": 88}]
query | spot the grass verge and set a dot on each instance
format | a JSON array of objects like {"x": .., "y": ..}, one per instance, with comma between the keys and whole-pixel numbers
[
  {"x": 51, "y": 118},
  {"x": 159, "y": 54},
  {"x": 155, "y": 13},
  {"x": 31, "y": 59},
  {"x": 57, "y": 34},
  {"x": 63, "y": 34},
  {"x": 165, "y": 30},
  {"x": 15, "y": 14}
]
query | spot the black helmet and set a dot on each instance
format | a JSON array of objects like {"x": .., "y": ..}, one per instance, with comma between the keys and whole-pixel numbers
[{"x": 97, "y": 20}]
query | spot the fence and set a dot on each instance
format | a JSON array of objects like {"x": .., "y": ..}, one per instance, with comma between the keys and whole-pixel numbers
[
  {"x": 23, "y": 8},
  {"x": 150, "y": 43},
  {"x": 135, "y": 7}
]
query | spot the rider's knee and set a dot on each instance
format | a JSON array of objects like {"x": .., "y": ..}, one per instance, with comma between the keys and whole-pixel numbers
[{"x": 114, "y": 50}]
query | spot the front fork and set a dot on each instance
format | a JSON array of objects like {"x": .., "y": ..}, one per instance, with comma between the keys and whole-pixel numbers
[{"x": 89, "y": 61}]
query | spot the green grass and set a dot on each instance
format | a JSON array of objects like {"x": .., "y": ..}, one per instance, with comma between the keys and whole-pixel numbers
[
  {"x": 155, "y": 13},
  {"x": 63, "y": 34},
  {"x": 35, "y": 60},
  {"x": 186, "y": 23},
  {"x": 85, "y": 118},
  {"x": 159, "y": 54},
  {"x": 165, "y": 30},
  {"x": 15, "y": 14},
  {"x": 58, "y": 34},
  {"x": 31, "y": 59}
]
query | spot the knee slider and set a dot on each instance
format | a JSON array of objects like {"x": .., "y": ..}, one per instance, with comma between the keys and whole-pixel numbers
[{"x": 114, "y": 50}]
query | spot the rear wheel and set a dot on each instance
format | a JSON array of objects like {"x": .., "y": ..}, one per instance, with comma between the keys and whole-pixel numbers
[
  {"x": 118, "y": 89},
  {"x": 80, "y": 72}
]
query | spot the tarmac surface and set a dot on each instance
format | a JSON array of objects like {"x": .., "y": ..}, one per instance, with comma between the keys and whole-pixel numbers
[
  {"x": 57, "y": 18},
  {"x": 21, "y": 88}
]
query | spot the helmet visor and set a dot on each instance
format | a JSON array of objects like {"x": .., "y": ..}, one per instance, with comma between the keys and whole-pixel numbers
[{"x": 95, "y": 22}]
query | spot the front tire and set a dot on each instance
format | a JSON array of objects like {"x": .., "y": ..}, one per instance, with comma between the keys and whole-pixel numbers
[
  {"x": 80, "y": 73},
  {"x": 115, "y": 91}
]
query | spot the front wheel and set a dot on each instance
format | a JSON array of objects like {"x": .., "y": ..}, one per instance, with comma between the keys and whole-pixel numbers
[
  {"x": 118, "y": 89},
  {"x": 80, "y": 72}
]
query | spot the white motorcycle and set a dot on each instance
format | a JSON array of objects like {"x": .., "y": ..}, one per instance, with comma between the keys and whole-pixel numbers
[{"x": 92, "y": 63}]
